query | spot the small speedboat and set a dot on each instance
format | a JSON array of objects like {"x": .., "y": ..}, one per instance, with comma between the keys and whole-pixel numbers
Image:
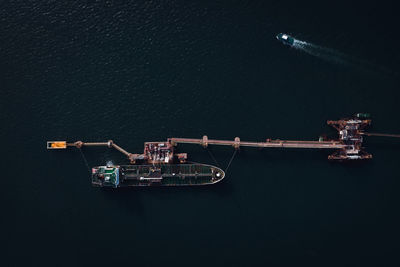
[{"x": 285, "y": 38}]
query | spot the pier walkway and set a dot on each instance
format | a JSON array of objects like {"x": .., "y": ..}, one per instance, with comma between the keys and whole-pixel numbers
[{"x": 237, "y": 143}]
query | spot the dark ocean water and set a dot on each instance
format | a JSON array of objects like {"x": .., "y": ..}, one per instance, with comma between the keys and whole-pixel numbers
[{"x": 145, "y": 71}]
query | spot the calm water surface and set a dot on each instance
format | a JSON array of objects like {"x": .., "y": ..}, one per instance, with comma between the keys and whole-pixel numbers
[{"x": 143, "y": 71}]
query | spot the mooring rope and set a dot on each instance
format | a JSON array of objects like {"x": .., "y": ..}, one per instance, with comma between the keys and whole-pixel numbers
[
  {"x": 212, "y": 156},
  {"x": 230, "y": 161},
  {"x": 84, "y": 159}
]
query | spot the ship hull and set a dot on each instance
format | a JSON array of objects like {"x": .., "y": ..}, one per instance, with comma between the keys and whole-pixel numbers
[{"x": 156, "y": 175}]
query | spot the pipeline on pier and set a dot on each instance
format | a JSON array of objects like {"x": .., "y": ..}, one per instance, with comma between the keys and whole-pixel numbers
[
  {"x": 237, "y": 143},
  {"x": 80, "y": 144},
  {"x": 382, "y": 135},
  {"x": 348, "y": 146}
]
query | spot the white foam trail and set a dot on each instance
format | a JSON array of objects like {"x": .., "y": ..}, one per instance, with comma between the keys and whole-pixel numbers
[
  {"x": 320, "y": 52},
  {"x": 335, "y": 56}
]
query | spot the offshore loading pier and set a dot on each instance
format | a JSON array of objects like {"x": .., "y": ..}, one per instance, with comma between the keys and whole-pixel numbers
[{"x": 160, "y": 165}]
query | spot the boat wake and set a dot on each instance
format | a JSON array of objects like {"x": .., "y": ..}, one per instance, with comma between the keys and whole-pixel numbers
[
  {"x": 337, "y": 57},
  {"x": 320, "y": 52}
]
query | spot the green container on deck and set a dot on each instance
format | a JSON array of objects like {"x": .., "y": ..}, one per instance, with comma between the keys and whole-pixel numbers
[{"x": 363, "y": 115}]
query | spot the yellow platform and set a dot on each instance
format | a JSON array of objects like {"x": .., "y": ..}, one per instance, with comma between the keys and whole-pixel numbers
[{"x": 56, "y": 144}]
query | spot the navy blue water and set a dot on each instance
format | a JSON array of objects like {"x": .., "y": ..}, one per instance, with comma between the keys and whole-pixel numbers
[{"x": 146, "y": 71}]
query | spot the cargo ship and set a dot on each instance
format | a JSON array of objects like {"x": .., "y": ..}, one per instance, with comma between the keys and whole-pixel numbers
[
  {"x": 161, "y": 175},
  {"x": 158, "y": 165}
]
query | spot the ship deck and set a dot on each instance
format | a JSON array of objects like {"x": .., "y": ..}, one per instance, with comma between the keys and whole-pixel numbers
[{"x": 170, "y": 174}]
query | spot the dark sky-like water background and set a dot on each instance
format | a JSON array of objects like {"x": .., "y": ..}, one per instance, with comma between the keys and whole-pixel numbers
[{"x": 138, "y": 71}]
